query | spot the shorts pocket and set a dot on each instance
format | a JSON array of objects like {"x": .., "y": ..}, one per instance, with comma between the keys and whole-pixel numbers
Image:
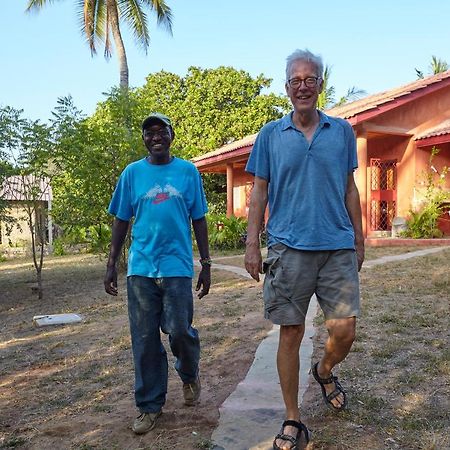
[{"x": 270, "y": 264}]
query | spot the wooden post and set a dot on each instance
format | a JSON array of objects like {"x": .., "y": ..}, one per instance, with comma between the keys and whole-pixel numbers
[
  {"x": 361, "y": 178},
  {"x": 230, "y": 199}
]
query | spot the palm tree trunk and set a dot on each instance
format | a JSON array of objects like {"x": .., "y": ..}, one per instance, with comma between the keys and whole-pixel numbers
[{"x": 118, "y": 41}]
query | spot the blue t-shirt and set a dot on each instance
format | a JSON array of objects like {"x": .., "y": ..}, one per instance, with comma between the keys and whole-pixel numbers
[
  {"x": 307, "y": 182},
  {"x": 162, "y": 199}
]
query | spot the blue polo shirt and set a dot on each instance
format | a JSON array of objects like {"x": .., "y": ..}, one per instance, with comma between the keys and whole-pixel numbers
[
  {"x": 162, "y": 199},
  {"x": 307, "y": 182}
]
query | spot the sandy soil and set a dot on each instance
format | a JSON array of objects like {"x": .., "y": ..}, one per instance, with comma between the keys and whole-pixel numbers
[{"x": 71, "y": 387}]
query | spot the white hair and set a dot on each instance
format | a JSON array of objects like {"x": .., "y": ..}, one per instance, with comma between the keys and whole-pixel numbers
[{"x": 304, "y": 55}]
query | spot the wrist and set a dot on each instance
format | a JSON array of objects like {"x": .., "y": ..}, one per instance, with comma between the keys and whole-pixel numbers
[{"x": 205, "y": 262}]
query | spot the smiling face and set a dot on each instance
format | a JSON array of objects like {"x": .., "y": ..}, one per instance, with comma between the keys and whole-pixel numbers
[
  {"x": 157, "y": 138},
  {"x": 303, "y": 98}
]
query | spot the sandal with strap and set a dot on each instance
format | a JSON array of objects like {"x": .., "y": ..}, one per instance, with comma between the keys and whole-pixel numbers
[
  {"x": 293, "y": 440},
  {"x": 337, "y": 391}
]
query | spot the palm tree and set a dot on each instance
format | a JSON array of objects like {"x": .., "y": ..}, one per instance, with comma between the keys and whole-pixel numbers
[
  {"x": 437, "y": 65},
  {"x": 101, "y": 18},
  {"x": 326, "y": 98}
]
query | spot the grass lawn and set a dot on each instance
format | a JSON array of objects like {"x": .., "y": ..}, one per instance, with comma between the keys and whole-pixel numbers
[{"x": 71, "y": 387}]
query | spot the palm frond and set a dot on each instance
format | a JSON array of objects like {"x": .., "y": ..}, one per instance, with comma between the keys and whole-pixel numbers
[
  {"x": 133, "y": 14},
  {"x": 163, "y": 12},
  {"x": 36, "y": 5}
]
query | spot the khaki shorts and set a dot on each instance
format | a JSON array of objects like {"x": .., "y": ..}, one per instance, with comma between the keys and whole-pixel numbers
[{"x": 293, "y": 276}]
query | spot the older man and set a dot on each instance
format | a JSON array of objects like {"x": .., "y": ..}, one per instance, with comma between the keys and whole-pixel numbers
[
  {"x": 303, "y": 165},
  {"x": 164, "y": 194}
]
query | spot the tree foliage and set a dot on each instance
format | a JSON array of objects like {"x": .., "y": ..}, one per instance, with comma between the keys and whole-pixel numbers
[
  {"x": 101, "y": 20},
  {"x": 437, "y": 65},
  {"x": 327, "y": 98},
  {"x": 208, "y": 107},
  {"x": 27, "y": 146}
]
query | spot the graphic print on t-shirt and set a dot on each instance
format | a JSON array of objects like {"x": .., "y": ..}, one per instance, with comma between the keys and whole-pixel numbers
[{"x": 157, "y": 194}]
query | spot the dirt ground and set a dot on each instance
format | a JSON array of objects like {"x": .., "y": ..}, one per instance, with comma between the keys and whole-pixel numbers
[{"x": 71, "y": 387}]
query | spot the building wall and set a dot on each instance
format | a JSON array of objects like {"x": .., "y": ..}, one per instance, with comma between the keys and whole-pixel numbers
[
  {"x": 415, "y": 118},
  {"x": 17, "y": 235}
]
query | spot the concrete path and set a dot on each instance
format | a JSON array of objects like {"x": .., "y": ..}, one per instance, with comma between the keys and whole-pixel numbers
[{"x": 251, "y": 415}]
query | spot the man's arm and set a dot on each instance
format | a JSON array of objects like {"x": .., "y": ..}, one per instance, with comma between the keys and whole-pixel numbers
[
  {"x": 258, "y": 203},
  {"x": 119, "y": 233},
  {"x": 353, "y": 205},
  {"x": 201, "y": 236}
]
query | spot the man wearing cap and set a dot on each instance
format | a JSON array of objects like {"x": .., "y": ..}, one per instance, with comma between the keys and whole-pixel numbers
[{"x": 163, "y": 194}]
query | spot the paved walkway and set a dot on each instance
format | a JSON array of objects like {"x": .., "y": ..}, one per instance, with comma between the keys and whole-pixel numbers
[{"x": 251, "y": 415}]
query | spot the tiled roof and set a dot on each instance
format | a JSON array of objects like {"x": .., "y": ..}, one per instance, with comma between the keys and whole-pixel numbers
[
  {"x": 347, "y": 111},
  {"x": 438, "y": 130},
  {"x": 244, "y": 142},
  {"x": 374, "y": 101},
  {"x": 17, "y": 188}
]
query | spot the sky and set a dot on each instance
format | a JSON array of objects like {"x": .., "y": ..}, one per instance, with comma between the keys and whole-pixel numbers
[{"x": 374, "y": 46}]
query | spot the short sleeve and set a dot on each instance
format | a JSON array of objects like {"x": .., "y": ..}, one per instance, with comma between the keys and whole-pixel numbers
[
  {"x": 258, "y": 162},
  {"x": 199, "y": 207},
  {"x": 120, "y": 205}
]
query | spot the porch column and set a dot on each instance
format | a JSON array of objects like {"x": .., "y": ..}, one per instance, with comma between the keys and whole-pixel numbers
[
  {"x": 361, "y": 178},
  {"x": 230, "y": 199}
]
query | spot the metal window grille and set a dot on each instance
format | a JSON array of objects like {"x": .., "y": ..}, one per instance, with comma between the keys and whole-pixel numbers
[{"x": 383, "y": 185}]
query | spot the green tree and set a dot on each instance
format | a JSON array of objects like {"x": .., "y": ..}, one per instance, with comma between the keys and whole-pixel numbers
[
  {"x": 102, "y": 18},
  {"x": 326, "y": 98},
  {"x": 9, "y": 119},
  {"x": 91, "y": 153},
  {"x": 437, "y": 65},
  {"x": 28, "y": 146},
  {"x": 209, "y": 108}
]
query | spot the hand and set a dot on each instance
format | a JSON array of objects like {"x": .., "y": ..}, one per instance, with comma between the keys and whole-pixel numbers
[
  {"x": 204, "y": 279},
  {"x": 360, "y": 255},
  {"x": 110, "y": 280},
  {"x": 253, "y": 261}
]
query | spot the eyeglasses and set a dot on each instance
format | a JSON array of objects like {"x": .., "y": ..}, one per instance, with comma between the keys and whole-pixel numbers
[
  {"x": 150, "y": 134},
  {"x": 310, "y": 82}
]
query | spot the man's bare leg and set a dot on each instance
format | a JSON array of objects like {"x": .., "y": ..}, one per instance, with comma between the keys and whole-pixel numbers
[
  {"x": 288, "y": 364},
  {"x": 341, "y": 334}
]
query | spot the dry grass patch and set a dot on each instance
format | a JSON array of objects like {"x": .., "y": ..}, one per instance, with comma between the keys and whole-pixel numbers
[{"x": 398, "y": 372}]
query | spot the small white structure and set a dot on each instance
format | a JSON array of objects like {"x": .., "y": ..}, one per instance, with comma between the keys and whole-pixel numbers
[{"x": 56, "y": 319}]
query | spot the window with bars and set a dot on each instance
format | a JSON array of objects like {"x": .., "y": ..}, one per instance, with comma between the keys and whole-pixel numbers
[{"x": 383, "y": 185}]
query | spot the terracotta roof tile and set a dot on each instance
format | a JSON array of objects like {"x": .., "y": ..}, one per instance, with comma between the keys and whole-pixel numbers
[
  {"x": 373, "y": 101},
  {"x": 345, "y": 111},
  {"x": 244, "y": 142},
  {"x": 438, "y": 130}
]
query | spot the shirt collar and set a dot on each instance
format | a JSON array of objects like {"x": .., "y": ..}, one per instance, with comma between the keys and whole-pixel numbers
[{"x": 286, "y": 121}]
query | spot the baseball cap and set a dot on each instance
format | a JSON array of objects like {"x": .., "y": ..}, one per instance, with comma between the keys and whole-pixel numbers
[{"x": 156, "y": 117}]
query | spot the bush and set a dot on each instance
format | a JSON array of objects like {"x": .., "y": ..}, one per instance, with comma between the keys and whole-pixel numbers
[
  {"x": 423, "y": 222},
  {"x": 95, "y": 239},
  {"x": 226, "y": 232}
]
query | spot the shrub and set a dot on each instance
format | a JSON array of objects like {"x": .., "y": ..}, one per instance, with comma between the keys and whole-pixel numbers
[
  {"x": 423, "y": 222},
  {"x": 226, "y": 232}
]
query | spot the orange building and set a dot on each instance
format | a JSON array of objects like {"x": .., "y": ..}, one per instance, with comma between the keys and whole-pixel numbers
[{"x": 395, "y": 132}]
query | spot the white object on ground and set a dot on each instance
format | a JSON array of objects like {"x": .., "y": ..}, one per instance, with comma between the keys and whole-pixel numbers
[{"x": 56, "y": 319}]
